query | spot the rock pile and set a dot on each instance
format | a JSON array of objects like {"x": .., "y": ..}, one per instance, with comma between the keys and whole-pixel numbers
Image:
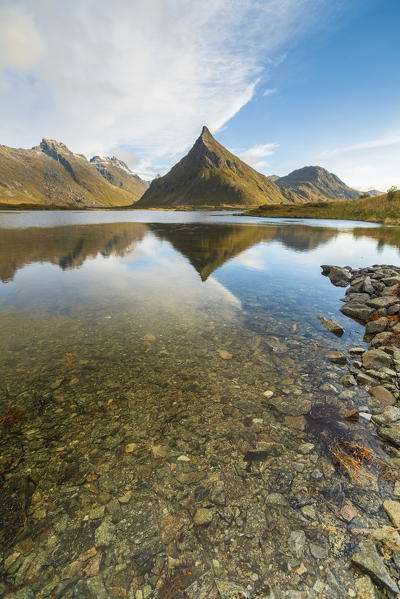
[{"x": 373, "y": 299}]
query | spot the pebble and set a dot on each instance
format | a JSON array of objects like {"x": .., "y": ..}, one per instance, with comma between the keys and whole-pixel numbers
[{"x": 203, "y": 517}]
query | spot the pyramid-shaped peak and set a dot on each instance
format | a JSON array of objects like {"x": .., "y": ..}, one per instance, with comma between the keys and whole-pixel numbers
[{"x": 205, "y": 133}]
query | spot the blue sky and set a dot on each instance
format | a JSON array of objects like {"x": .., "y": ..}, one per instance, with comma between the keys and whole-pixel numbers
[{"x": 282, "y": 83}]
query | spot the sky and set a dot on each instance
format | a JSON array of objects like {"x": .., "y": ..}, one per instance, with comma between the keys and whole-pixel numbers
[{"x": 281, "y": 83}]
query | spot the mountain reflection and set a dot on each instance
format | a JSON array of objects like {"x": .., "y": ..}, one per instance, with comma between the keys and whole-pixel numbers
[
  {"x": 206, "y": 247},
  {"x": 68, "y": 246}
]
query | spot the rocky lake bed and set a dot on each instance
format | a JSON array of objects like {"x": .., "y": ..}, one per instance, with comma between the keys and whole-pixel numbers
[{"x": 234, "y": 435}]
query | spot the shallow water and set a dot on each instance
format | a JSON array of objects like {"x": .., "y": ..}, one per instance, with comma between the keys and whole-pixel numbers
[{"x": 135, "y": 352}]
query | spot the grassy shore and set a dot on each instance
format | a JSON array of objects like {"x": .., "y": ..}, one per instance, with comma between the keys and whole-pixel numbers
[{"x": 373, "y": 209}]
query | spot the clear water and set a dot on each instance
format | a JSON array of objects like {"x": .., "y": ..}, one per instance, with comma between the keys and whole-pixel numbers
[{"x": 163, "y": 329}]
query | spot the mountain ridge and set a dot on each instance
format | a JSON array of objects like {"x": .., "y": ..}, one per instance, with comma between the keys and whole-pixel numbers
[
  {"x": 50, "y": 174},
  {"x": 210, "y": 176}
]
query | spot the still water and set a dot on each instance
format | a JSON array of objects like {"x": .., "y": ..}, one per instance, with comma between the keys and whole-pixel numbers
[{"x": 141, "y": 354}]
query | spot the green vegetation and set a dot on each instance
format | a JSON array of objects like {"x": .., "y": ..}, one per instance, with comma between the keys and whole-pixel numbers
[
  {"x": 315, "y": 184},
  {"x": 50, "y": 176},
  {"x": 210, "y": 176},
  {"x": 382, "y": 209}
]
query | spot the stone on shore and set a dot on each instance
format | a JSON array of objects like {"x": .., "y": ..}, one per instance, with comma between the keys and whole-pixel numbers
[
  {"x": 340, "y": 277},
  {"x": 376, "y": 326},
  {"x": 374, "y": 359},
  {"x": 383, "y": 395},
  {"x": 356, "y": 311}
]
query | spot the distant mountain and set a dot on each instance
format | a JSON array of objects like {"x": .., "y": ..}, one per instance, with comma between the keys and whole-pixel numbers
[
  {"x": 119, "y": 174},
  {"x": 51, "y": 175},
  {"x": 373, "y": 192},
  {"x": 313, "y": 184},
  {"x": 210, "y": 176}
]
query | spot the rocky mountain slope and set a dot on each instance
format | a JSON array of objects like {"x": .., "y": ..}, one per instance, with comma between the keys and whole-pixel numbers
[
  {"x": 314, "y": 184},
  {"x": 51, "y": 175},
  {"x": 119, "y": 174},
  {"x": 211, "y": 176}
]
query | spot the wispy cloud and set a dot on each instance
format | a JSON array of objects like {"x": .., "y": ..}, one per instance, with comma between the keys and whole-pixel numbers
[
  {"x": 255, "y": 156},
  {"x": 143, "y": 76},
  {"x": 269, "y": 91},
  {"x": 381, "y": 142}
]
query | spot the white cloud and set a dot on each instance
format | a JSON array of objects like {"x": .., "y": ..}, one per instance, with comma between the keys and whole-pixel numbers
[
  {"x": 371, "y": 164},
  {"x": 141, "y": 75},
  {"x": 386, "y": 140},
  {"x": 269, "y": 91},
  {"x": 20, "y": 42},
  {"x": 256, "y": 154}
]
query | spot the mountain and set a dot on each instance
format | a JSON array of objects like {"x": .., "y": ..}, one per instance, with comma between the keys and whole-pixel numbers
[
  {"x": 210, "y": 176},
  {"x": 119, "y": 174},
  {"x": 373, "y": 192},
  {"x": 314, "y": 184},
  {"x": 51, "y": 175}
]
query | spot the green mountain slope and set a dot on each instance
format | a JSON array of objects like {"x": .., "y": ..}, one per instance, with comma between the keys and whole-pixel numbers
[
  {"x": 210, "y": 176},
  {"x": 314, "y": 184},
  {"x": 51, "y": 175}
]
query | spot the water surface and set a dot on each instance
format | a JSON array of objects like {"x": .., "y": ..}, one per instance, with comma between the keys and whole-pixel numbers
[{"x": 137, "y": 350}]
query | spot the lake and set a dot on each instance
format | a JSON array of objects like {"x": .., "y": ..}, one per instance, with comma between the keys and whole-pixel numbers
[{"x": 157, "y": 369}]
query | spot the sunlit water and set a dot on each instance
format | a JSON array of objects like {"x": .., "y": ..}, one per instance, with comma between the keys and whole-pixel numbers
[{"x": 161, "y": 329}]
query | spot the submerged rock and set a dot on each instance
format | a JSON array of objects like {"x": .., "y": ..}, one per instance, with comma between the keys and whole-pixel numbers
[
  {"x": 331, "y": 326},
  {"x": 368, "y": 559}
]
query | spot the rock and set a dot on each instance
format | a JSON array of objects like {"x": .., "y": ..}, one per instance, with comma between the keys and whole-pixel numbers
[
  {"x": 149, "y": 337},
  {"x": 367, "y": 286},
  {"x": 376, "y": 326},
  {"x": 268, "y": 394},
  {"x": 376, "y": 359},
  {"x": 337, "y": 357},
  {"x": 183, "y": 458},
  {"x": 365, "y": 588},
  {"x": 276, "y": 499},
  {"x": 392, "y": 310},
  {"x": 295, "y": 406},
  {"x": 390, "y": 414},
  {"x": 348, "y": 380},
  {"x": 359, "y": 312},
  {"x": 332, "y": 326},
  {"x": 297, "y": 542},
  {"x": 365, "y": 380},
  {"x": 340, "y": 277},
  {"x": 225, "y": 355},
  {"x": 383, "y": 301},
  {"x": 383, "y": 395},
  {"x": 368, "y": 559},
  {"x": 104, "y": 535},
  {"x": 390, "y": 281},
  {"x": 203, "y": 517},
  {"x": 318, "y": 551},
  {"x": 125, "y": 498},
  {"x": 392, "y": 508},
  {"x": 130, "y": 447},
  {"x": 382, "y": 339},
  {"x": 391, "y": 433},
  {"x": 357, "y": 351}
]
